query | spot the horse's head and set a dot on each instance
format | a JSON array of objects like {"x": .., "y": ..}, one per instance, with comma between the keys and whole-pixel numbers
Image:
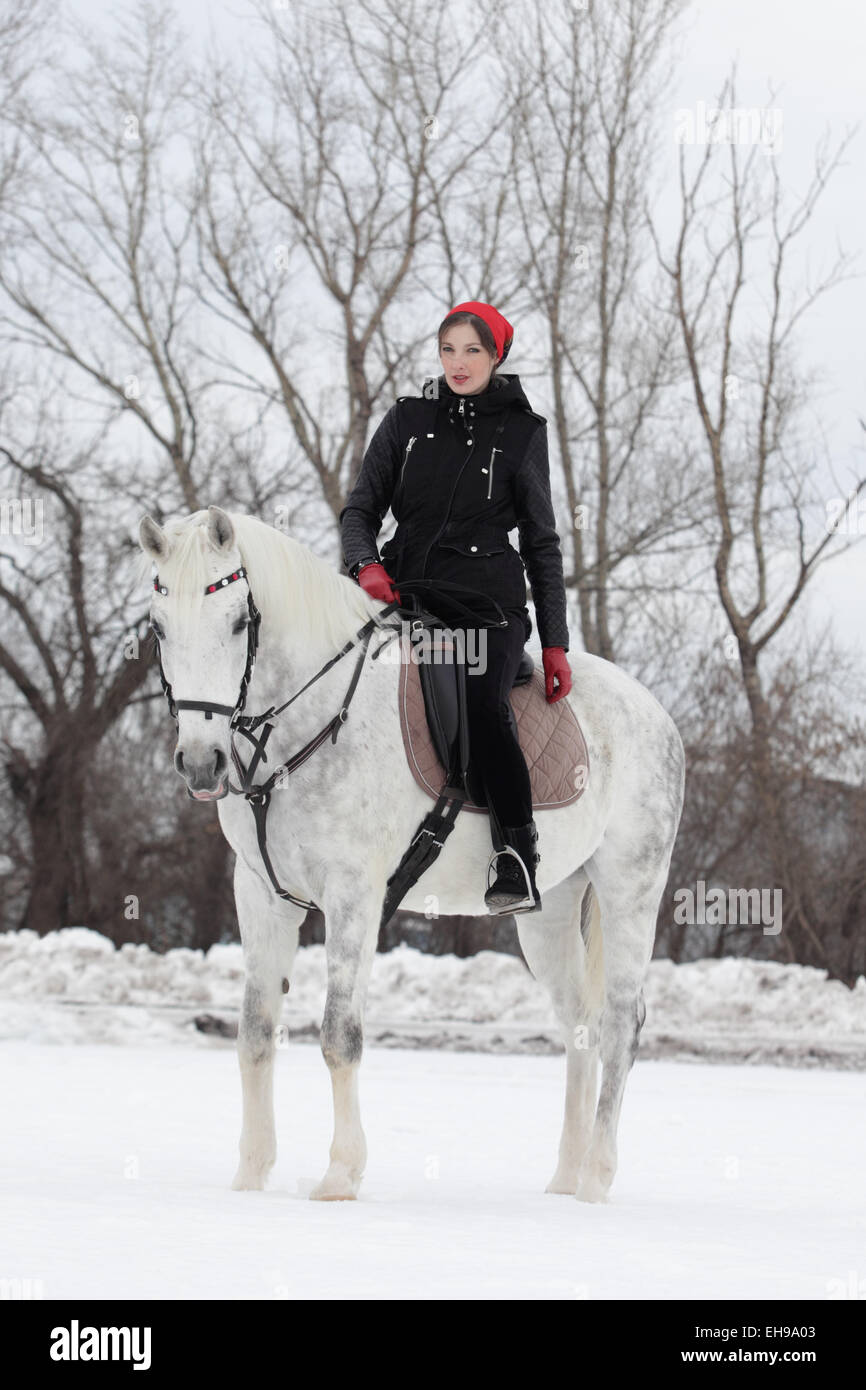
[{"x": 201, "y": 619}]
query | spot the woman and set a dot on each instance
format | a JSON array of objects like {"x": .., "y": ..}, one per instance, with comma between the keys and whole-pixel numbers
[{"x": 461, "y": 466}]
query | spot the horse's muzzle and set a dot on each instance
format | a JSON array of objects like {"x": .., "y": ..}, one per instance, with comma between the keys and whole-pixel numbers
[{"x": 206, "y": 776}]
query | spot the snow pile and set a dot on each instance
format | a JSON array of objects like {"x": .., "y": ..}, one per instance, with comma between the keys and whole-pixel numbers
[
  {"x": 82, "y": 965},
  {"x": 735, "y": 993},
  {"x": 75, "y": 986}
]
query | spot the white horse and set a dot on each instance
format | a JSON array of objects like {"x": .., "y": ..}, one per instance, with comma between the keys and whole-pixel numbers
[{"x": 341, "y": 823}]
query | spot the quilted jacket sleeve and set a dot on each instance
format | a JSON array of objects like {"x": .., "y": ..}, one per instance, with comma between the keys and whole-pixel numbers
[
  {"x": 370, "y": 498},
  {"x": 539, "y": 542}
]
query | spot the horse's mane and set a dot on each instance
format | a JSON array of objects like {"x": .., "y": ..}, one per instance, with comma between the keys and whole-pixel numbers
[{"x": 295, "y": 591}]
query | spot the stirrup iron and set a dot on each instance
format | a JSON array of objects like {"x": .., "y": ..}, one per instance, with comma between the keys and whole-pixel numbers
[{"x": 527, "y": 903}]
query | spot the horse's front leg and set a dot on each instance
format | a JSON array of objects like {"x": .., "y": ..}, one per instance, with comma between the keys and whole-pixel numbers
[
  {"x": 352, "y": 915},
  {"x": 269, "y": 932}
]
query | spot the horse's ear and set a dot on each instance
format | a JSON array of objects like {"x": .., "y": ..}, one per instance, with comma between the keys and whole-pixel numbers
[
  {"x": 220, "y": 531},
  {"x": 153, "y": 540}
]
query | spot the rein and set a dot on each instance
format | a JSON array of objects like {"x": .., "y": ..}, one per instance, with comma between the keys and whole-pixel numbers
[{"x": 258, "y": 795}]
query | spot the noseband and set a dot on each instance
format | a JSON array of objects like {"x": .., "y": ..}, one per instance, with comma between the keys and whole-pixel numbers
[{"x": 209, "y": 709}]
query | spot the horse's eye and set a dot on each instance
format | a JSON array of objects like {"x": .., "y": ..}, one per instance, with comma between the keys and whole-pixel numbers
[{"x": 241, "y": 624}]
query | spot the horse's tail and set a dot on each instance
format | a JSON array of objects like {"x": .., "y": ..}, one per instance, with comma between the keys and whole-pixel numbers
[{"x": 590, "y": 926}]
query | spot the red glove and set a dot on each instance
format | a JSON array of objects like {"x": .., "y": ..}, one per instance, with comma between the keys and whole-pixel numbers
[
  {"x": 375, "y": 581},
  {"x": 556, "y": 665}
]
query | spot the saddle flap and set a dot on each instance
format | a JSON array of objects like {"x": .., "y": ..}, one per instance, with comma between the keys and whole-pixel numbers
[
  {"x": 549, "y": 734},
  {"x": 438, "y": 677}
]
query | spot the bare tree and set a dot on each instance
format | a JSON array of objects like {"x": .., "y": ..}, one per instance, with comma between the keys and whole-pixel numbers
[
  {"x": 816, "y": 694},
  {"x": 323, "y": 175},
  {"x": 584, "y": 84},
  {"x": 70, "y": 653},
  {"x": 96, "y": 249},
  {"x": 748, "y": 397},
  {"x": 25, "y": 38}
]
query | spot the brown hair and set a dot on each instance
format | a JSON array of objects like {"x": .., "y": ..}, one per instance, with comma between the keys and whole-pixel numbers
[{"x": 481, "y": 328}]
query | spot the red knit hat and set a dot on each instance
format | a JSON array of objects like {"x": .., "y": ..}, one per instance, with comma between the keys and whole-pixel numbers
[{"x": 503, "y": 333}]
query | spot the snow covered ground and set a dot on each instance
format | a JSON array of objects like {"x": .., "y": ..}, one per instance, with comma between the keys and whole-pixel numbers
[
  {"x": 734, "y": 1182},
  {"x": 74, "y": 986}
]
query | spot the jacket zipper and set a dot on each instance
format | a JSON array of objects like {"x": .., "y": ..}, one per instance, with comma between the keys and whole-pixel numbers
[
  {"x": 460, "y": 411},
  {"x": 490, "y": 479},
  {"x": 406, "y": 457}
]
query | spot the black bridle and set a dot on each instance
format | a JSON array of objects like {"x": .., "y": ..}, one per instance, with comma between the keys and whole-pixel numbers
[{"x": 209, "y": 709}]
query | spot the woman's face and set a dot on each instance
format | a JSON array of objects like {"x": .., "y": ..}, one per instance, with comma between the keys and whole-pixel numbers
[{"x": 465, "y": 361}]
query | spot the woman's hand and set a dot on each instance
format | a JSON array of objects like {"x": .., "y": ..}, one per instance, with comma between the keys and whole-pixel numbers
[
  {"x": 556, "y": 666},
  {"x": 375, "y": 581}
]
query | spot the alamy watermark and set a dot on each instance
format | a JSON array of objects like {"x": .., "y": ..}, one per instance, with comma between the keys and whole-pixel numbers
[
  {"x": 846, "y": 516},
  {"x": 743, "y": 907},
  {"x": 852, "y": 1287},
  {"x": 77, "y": 1343},
  {"x": 438, "y": 646},
  {"x": 17, "y": 1290},
  {"x": 22, "y": 516},
  {"x": 729, "y": 125}
]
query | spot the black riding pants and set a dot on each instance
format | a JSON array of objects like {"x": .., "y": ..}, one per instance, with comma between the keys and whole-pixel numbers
[{"x": 493, "y": 737}]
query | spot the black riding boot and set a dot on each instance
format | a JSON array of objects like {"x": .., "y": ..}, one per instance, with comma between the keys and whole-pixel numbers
[{"x": 509, "y": 893}]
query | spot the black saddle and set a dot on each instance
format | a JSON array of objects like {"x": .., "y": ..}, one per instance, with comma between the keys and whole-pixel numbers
[{"x": 443, "y": 684}]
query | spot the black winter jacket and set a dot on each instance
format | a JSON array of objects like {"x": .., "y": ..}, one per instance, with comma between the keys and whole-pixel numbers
[{"x": 459, "y": 473}]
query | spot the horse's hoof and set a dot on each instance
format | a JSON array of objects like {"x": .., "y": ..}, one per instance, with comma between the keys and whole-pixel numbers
[
  {"x": 338, "y": 1185},
  {"x": 245, "y": 1180},
  {"x": 334, "y": 1190},
  {"x": 562, "y": 1185},
  {"x": 592, "y": 1189}
]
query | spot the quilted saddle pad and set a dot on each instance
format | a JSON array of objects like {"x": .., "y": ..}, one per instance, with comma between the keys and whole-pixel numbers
[{"x": 550, "y": 737}]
